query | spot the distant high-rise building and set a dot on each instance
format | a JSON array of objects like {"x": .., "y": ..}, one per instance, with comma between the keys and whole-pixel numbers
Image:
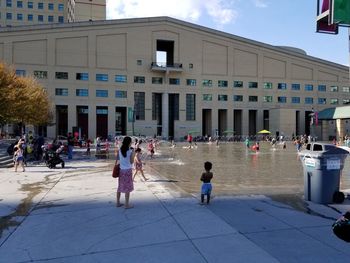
[{"x": 23, "y": 12}]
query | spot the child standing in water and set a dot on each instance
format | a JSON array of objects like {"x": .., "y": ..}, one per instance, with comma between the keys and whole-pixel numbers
[
  {"x": 206, "y": 178},
  {"x": 138, "y": 164}
]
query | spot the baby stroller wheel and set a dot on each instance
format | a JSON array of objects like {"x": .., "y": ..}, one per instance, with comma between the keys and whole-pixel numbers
[{"x": 62, "y": 164}]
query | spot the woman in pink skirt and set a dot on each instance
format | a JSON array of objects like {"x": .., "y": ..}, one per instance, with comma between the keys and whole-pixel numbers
[{"x": 125, "y": 157}]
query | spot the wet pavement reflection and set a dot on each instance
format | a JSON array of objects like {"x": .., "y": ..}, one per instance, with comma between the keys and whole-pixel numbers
[{"x": 237, "y": 170}]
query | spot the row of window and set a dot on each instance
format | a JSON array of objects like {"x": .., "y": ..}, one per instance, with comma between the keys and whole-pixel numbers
[
  {"x": 189, "y": 82},
  {"x": 30, "y": 5},
  {"x": 85, "y": 93},
  {"x": 207, "y": 97},
  {"x": 40, "y": 18}
]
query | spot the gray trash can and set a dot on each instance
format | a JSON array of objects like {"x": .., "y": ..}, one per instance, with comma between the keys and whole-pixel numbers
[{"x": 322, "y": 164}]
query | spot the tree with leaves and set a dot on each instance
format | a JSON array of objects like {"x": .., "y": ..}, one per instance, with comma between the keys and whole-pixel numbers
[{"x": 22, "y": 99}]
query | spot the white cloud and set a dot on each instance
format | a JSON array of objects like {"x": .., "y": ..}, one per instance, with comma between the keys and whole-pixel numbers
[
  {"x": 260, "y": 3},
  {"x": 219, "y": 11}
]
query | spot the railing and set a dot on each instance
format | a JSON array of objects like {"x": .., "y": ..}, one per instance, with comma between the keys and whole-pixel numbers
[{"x": 164, "y": 66}]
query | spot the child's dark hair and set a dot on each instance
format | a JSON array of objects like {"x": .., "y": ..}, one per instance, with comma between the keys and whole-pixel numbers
[
  {"x": 208, "y": 166},
  {"x": 138, "y": 150}
]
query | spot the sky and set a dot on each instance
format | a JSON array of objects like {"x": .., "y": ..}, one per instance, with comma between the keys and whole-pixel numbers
[{"x": 274, "y": 22}]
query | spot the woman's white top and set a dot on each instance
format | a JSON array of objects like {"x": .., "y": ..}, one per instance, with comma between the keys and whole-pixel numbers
[{"x": 125, "y": 161}]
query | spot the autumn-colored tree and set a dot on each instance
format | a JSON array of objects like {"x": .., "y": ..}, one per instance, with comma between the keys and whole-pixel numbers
[
  {"x": 22, "y": 99},
  {"x": 7, "y": 80}
]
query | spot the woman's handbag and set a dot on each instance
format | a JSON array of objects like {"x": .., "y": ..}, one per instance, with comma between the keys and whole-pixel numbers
[{"x": 116, "y": 170}]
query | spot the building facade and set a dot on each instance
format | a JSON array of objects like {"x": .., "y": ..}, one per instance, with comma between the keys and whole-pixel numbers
[
  {"x": 166, "y": 77},
  {"x": 24, "y": 12}
]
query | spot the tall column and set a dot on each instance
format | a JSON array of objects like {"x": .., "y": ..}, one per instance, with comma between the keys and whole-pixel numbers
[
  {"x": 111, "y": 120},
  {"x": 245, "y": 122},
  {"x": 72, "y": 117},
  {"x": 340, "y": 127},
  {"x": 325, "y": 130},
  {"x": 92, "y": 121},
  {"x": 165, "y": 115}
]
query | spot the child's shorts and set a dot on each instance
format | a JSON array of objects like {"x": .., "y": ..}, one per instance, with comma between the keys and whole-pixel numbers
[{"x": 206, "y": 188}]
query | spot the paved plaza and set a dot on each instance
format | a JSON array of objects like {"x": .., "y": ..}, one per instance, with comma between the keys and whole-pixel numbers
[{"x": 69, "y": 215}]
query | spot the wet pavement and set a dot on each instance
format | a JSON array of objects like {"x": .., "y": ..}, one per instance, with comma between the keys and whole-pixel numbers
[{"x": 237, "y": 170}]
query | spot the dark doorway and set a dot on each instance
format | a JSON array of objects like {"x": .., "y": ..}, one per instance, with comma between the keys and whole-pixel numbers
[
  {"x": 266, "y": 124},
  {"x": 222, "y": 125},
  {"x": 308, "y": 118},
  {"x": 173, "y": 113},
  {"x": 157, "y": 111},
  {"x": 168, "y": 47},
  {"x": 62, "y": 120},
  {"x": 237, "y": 122},
  {"x": 102, "y": 122},
  {"x": 206, "y": 122},
  {"x": 252, "y": 122},
  {"x": 120, "y": 120},
  {"x": 83, "y": 121}
]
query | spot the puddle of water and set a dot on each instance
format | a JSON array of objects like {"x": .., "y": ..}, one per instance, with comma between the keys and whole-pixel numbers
[{"x": 237, "y": 171}]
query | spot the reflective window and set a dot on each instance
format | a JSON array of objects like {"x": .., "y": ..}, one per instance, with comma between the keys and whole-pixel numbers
[
  {"x": 222, "y": 97},
  {"x": 295, "y": 86},
  {"x": 191, "y": 82},
  {"x": 222, "y": 83},
  {"x": 60, "y": 7},
  {"x": 61, "y": 75},
  {"x": 282, "y": 86},
  {"x": 40, "y": 5},
  {"x": 101, "y": 77},
  {"x": 237, "y": 97},
  {"x": 139, "y": 79},
  {"x": 51, "y": 6},
  {"x": 82, "y": 92},
  {"x": 174, "y": 81},
  {"x": 122, "y": 94},
  {"x": 334, "y": 89},
  {"x": 207, "y": 97},
  {"x": 322, "y": 101},
  {"x": 281, "y": 99},
  {"x": 253, "y": 98},
  {"x": 322, "y": 88},
  {"x": 20, "y": 72},
  {"x": 309, "y": 100},
  {"x": 40, "y": 74},
  {"x": 267, "y": 85},
  {"x": 102, "y": 93},
  {"x": 267, "y": 99},
  {"x": 157, "y": 80},
  {"x": 238, "y": 84},
  {"x": 207, "y": 83},
  {"x": 334, "y": 101},
  {"x": 82, "y": 76},
  {"x": 309, "y": 87},
  {"x": 61, "y": 92},
  {"x": 253, "y": 85},
  {"x": 120, "y": 78},
  {"x": 295, "y": 100}
]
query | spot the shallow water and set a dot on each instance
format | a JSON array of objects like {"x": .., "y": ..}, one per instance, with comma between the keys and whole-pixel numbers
[{"x": 237, "y": 170}]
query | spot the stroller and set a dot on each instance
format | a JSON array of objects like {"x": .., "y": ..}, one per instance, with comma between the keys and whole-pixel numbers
[{"x": 52, "y": 156}]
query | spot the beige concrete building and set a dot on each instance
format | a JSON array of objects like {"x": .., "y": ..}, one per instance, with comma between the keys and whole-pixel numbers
[
  {"x": 24, "y": 12},
  {"x": 162, "y": 76}
]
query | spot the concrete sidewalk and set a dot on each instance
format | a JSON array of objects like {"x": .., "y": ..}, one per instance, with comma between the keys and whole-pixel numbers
[{"x": 69, "y": 215}]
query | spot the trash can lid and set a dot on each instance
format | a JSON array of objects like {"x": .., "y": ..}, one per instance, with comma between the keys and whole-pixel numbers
[{"x": 318, "y": 149}]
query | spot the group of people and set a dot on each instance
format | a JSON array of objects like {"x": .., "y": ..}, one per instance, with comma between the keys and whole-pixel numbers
[{"x": 127, "y": 157}]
